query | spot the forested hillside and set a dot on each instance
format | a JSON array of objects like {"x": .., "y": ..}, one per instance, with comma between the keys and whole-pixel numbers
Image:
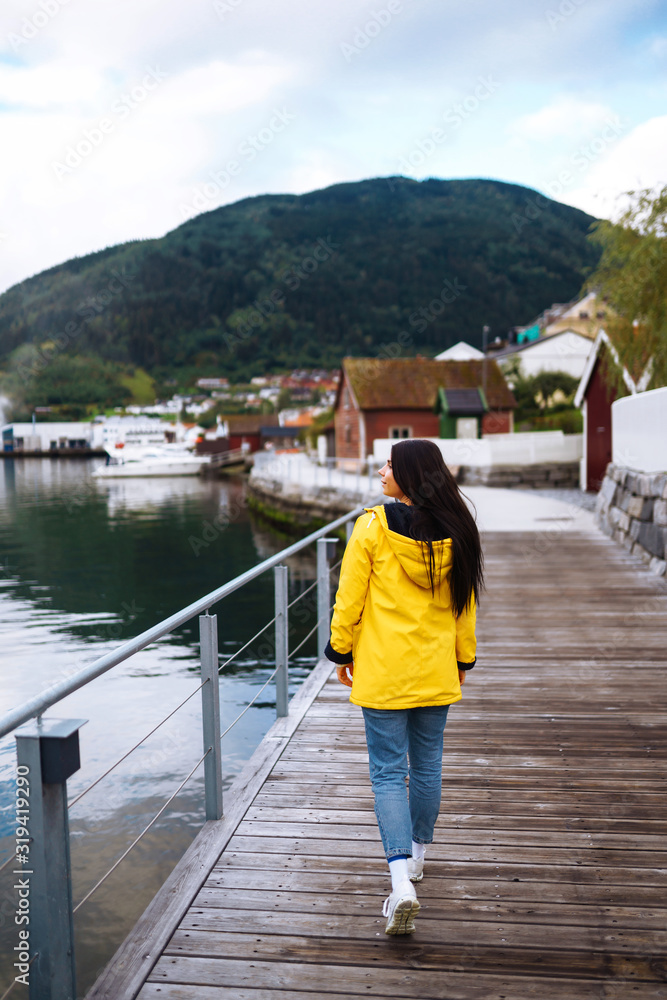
[{"x": 284, "y": 280}]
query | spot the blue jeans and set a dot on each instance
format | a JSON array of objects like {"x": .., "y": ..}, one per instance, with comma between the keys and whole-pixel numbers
[{"x": 394, "y": 737}]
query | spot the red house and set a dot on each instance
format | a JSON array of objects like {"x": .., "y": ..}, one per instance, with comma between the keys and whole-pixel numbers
[
  {"x": 247, "y": 429},
  {"x": 594, "y": 396},
  {"x": 416, "y": 397}
]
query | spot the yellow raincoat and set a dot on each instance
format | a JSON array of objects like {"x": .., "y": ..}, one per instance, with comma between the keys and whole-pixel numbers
[{"x": 406, "y": 643}]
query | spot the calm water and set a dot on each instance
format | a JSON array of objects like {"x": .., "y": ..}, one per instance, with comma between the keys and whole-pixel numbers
[{"x": 83, "y": 566}]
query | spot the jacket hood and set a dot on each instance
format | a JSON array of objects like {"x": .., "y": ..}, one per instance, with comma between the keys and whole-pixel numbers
[{"x": 413, "y": 555}]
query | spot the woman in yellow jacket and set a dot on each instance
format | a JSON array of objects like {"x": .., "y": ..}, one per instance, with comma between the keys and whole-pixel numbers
[{"x": 403, "y": 635}]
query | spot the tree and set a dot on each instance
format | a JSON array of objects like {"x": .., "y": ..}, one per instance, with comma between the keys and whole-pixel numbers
[{"x": 632, "y": 275}]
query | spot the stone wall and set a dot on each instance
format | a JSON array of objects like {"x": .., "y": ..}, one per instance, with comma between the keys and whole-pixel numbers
[
  {"x": 632, "y": 509},
  {"x": 296, "y": 506},
  {"x": 545, "y": 475}
]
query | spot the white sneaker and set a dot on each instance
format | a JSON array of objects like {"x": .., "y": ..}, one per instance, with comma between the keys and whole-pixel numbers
[
  {"x": 400, "y": 909},
  {"x": 416, "y": 869}
]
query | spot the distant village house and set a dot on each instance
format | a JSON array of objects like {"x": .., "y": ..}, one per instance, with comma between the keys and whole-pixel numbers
[{"x": 418, "y": 397}]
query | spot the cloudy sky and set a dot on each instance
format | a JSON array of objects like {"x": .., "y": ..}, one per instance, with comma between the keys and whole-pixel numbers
[{"x": 122, "y": 118}]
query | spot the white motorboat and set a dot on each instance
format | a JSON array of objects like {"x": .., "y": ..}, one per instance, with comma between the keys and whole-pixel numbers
[{"x": 151, "y": 460}]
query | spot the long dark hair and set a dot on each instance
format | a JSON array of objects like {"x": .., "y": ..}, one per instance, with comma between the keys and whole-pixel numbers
[{"x": 440, "y": 512}]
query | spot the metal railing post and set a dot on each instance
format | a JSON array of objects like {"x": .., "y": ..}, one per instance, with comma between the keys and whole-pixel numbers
[
  {"x": 349, "y": 528},
  {"x": 280, "y": 582},
  {"x": 326, "y": 548},
  {"x": 210, "y": 705},
  {"x": 48, "y": 753}
]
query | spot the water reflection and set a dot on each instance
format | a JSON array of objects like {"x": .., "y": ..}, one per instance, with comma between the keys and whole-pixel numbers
[{"x": 84, "y": 565}]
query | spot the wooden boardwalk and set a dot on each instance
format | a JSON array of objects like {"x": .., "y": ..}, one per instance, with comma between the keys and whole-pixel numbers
[{"x": 547, "y": 876}]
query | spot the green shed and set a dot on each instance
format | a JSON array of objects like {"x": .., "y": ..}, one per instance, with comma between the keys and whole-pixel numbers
[{"x": 453, "y": 404}]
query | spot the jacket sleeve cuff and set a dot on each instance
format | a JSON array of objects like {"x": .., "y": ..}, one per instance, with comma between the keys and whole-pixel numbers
[
  {"x": 341, "y": 658},
  {"x": 466, "y": 666}
]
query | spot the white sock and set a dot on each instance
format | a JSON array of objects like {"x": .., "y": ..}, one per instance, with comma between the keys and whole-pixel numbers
[
  {"x": 418, "y": 851},
  {"x": 398, "y": 868}
]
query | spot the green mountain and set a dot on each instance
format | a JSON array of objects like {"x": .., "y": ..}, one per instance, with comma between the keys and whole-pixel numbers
[{"x": 384, "y": 266}]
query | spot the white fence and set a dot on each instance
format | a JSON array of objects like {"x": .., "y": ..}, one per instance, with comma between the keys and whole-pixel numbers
[
  {"x": 303, "y": 471},
  {"x": 639, "y": 431},
  {"x": 500, "y": 449}
]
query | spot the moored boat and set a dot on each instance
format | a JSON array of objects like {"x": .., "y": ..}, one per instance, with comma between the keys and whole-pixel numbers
[{"x": 152, "y": 460}]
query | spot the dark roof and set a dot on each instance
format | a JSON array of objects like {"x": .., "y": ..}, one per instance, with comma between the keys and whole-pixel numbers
[
  {"x": 280, "y": 431},
  {"x": 464, "y": 402},
  {"x": 250, "y": 423},
  {"x": 413, "y": 383}
]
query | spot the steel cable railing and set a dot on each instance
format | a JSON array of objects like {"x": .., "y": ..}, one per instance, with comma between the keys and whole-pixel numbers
[
  {"x": 142, "y": 834},
  {"x": 50, "y": 890},
  {"x": 305, "y": 640},
  {"x": 15, "y": 981},
  {"x": 248, "y": 643},
  {"x": 8, "y": 862},
  {"x": 302, "y": 594},
  {"x": 251, "y": 702},
  {"x": 38, "y": 704},
  {"x": 125, "y": 755}
]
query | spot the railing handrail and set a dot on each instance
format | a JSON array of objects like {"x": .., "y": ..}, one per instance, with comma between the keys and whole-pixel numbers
[{"x": 39, "y": 703}]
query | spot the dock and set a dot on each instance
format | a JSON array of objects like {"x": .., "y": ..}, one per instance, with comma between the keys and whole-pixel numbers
[{"x": 547, "y": 877}]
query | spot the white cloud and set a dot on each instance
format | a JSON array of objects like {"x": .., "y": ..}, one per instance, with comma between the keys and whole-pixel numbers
[
  {"x": 226, "y": 75},
  {"x": 221, "y": 87},
  {"x": 658, "y": 48},
  {"x": 566, "y": 115},
  {"x": 51, "y": 85},
  {"x": 638, "y": 160}
]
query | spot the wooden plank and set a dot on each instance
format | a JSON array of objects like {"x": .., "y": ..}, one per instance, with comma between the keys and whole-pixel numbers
[
  {"x": 434, "y": 946},
  {"x": 523, "y": 834},
  {"x": 277, "y": 789},
  {"x": 381, "y": 984},
  {"x": 358, "y": 861},
  {"x": 450, "y": 887},
  {"x": 510, "y": 817},
  {"x": 441, "y": 906},
  {"x": 450, "y": 982},
  {"x": 129, "y": 967},
  {"x": 349, "y": 917},
  {"x": 632, "y": 768},
  {"x": 366, "y": 847},
  {"x": 483, "y": 777}
]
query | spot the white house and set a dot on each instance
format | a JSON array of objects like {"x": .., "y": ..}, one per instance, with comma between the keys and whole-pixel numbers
[
  {"x": 566, "y": 351},
  {"x": 47, "y": 438},
  {"x": 460, "y": 352},
  {"x": 585, "y": 316},
  {"x": 109, "y": 431}
]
